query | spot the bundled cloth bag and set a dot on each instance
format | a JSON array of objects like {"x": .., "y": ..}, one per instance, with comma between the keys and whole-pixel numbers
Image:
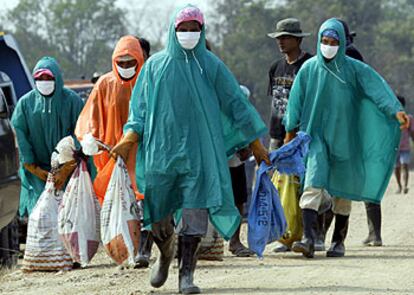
[
  {"x": 79, "y": 217},
  {"x": 44, "y": 249},
  {"x": 120, "y": 220},
  {"x": 267, "y": 222},
  {"x": 211, "y": 246}
]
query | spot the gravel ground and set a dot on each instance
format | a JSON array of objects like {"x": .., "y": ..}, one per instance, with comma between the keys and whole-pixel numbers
[{"x": 364, "y": 270}]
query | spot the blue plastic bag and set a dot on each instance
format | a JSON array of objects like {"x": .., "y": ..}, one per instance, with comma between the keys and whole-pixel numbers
[{"x": 266, "y": 221}]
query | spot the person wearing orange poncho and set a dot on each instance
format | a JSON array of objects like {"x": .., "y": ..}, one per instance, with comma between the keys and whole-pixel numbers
[
  {"x": 106, "y": 110},
  {"x": 105, "y": 114}
]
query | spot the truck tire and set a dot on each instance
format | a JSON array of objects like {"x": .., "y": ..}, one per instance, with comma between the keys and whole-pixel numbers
[{"x": 9, "y": 245}]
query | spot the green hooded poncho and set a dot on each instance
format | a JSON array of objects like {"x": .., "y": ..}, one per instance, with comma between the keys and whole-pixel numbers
[
  {"x": 349, "y": 111},
  {"x": 40, "y": 123},
  {"x": 190, "y": 115}
]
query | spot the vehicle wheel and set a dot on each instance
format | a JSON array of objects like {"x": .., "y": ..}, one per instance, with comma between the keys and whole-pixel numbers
[{"x": 9, "y": 245}]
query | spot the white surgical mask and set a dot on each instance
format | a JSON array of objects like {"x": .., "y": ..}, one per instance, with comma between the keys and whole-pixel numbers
[
  {"x": 126, "y": 73},
  {"x": 45, "y": 87},
  {"x": 188, "y": 40},
  {"x": 328, "y": 51}
]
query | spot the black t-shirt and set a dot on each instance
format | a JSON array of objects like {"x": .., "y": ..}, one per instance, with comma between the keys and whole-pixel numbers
[
  {"x": 281, "y": 76},
  {"x": 353, "y": 52}
]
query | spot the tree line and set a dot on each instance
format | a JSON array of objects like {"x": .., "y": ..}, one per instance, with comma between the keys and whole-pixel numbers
[{"x": 82, "y": 34}]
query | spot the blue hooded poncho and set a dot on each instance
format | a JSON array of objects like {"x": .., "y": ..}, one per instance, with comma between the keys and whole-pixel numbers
[
  {"x": 349, "y": 111},
  {"x": 190, "y": 115},
  {"x": 40, "y": 123}
]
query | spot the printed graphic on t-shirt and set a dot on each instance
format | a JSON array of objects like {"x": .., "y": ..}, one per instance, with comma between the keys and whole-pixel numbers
[{"x": 280, "y": 94}]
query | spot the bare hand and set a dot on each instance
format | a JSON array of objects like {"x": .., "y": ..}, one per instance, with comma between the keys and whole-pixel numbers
[{"x": 259, "y": 152}]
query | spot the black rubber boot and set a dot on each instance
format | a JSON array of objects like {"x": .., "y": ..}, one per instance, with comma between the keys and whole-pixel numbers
[
  {"x": 144, "y": 250},
  {"x": 324, "y": 222},
  {"x": 374, "y": 225},
  {"x": 320, "y": 233},
  {"x": 337, "y": 248},
  {"x": 159, "y": 272},
  {"x": 328, "y": 217},
  {"x": 187, "y": 261},
  {"x": 307, "y": 245}
]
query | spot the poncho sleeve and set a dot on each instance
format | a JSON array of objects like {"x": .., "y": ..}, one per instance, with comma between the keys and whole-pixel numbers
[
  {"x": 377, "y": 90},
  {"x": 138, "y": 103},
  {"x": 92, "y": 119},
  {"x": 20, "y": 125},
  {"x": 241, "y": 122},
  {"x": 295, "y": 103}
]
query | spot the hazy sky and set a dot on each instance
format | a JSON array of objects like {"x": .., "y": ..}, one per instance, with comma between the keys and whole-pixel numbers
[
  {"x": 147, "y": 17},
  {"x": 5, "y": 4},
  {"x": 153, "y": 23}
]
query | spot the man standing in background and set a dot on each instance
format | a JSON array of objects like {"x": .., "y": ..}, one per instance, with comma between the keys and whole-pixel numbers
[{"x": 289, "y": 36}]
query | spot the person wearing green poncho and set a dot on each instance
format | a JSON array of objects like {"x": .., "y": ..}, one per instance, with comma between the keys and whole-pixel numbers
[
  {"x": 353, "y": 118},
  {"x": 188, "y": 115},
  {"x": 41, "y": 119}
]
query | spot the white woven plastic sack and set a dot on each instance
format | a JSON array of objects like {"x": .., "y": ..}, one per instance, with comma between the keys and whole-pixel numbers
[
  {"x": 120, "y": 224},
  {"x": 79, "y": 217},
  {"x": 44, "y": 249}
]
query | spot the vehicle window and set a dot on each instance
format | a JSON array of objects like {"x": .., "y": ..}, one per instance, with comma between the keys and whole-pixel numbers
[
  {"x": 7, "y": 91},
  {"x": 3, "y": 107}
]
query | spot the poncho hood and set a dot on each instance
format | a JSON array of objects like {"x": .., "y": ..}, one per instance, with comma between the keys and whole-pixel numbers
[
  {"x": 51, "y": 64},
  {"x": 128, "y": 45},
  {"x": 173, "y": 46},
  {"x": 339, "y": 59}
]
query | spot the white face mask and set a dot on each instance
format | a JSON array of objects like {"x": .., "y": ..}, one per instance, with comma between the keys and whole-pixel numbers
[
  {"x": 328, "y": 51},
  {"x": 45, "y": 87},
  {"x": 126, "y": 73},
  {"x": 188, "y": 40}
]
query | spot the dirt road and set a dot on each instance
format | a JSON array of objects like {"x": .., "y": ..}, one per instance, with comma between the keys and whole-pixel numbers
[{"x": 364, "y": 270}]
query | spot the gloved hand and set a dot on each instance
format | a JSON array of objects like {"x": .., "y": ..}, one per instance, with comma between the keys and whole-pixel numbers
[
  {"x": 62, "y": 174},
  {"x": 37, "y": 171},
  {"x": 124, "y": 146},
  {"x": 259, "y": 152},
  {"x": 289, "y": 136},
  {"x": 404, "y": 120}
]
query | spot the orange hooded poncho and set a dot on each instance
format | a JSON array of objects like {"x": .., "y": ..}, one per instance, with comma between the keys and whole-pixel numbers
[{"x": 106, "y": 112}]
